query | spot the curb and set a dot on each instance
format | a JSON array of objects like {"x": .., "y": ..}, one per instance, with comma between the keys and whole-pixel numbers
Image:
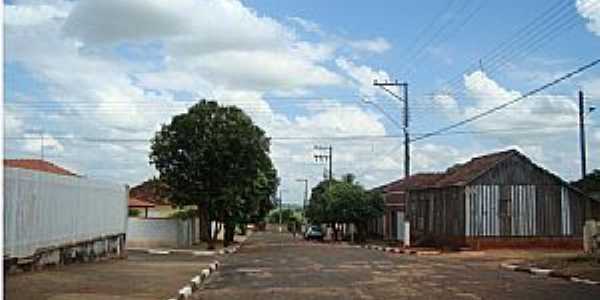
[
  {"x": 397, "y": 250},
  {"x": 547, "y": 272},
  {"x": 196, "y": 281}
]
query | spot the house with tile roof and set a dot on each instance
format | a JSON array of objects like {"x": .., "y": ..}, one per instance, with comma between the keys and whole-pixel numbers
[
  {"x": 502, "y": 199},
  {"x": 37, "y": 165}
]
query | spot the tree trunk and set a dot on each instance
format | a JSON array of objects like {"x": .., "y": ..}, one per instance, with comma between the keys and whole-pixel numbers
[
  {"x": 335, "y": 232},
  {"x": 243, "y": 228},
  {"x": 229, "y": 233},
  {"x": 211, "y": 239},
  {"x": 204, "y": 232}
]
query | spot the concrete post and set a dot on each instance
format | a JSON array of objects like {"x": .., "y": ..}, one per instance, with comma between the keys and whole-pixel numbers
[{"x": 406, "y": 234}]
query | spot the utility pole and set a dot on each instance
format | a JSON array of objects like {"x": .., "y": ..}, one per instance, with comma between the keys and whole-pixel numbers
[
  {"x": 280, "y": 208},
  {"x": 42, "y": 145},
  {"x": 327, "y": 157},
  {"x": 305, "y": 192},
  {"x": 582, "y": 135},
  {"x": 404, "y": 99}
]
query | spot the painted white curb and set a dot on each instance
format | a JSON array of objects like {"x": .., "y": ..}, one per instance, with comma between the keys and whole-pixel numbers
[
  {"x": 586, "y": 281},
  {"x": 205, "y": 273},
  {"x": 157, "y": 251},
  {"x": 203, "y": 253},
  {"x": 539, "y": 271},
  {"x": 547, "y": 272},
  {"x": 212, "y": 267},
  {"x": 185, "y": 292},
  {"x": 509, "y": 266},
  {"x": 195, "y": 282}
]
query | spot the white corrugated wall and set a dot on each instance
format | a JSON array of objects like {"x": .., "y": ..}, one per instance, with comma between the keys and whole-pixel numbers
[
  {"x": 482, "y": 210},
  {"x": 523, "y": 213},
  {"x": 482, "y": 216},
  {"x": 44, "y": 210},
  {"x": 565, "y": 212}
]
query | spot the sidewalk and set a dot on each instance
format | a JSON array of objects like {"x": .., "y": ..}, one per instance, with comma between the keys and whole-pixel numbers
[{"x": 141, "y": 276}]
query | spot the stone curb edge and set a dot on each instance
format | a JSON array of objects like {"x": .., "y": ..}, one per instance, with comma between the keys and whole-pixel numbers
[
  {"x": 397, "y": 250},
  {"x": 196, "y": 281},
  {"x": 547, "y": 272}
]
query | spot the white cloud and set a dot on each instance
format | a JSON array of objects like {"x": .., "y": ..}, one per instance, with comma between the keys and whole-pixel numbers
[
  {"x": 363, "y": 76},
  {"x": 590, "y": 10},
  {"x": 192, "y": 27},
  {"x": 307, "y": 25},
  {"x": 33, "y": 143},
  {"x": 95, "y": 86},
  {"x": 32, "y": 15},
  {"x": 518, "y": 122},
  {"x": 377, "y": 45}
]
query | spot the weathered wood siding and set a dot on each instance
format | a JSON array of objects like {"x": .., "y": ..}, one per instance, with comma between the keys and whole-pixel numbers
[
  {"x": 513, "y": 199},
  {"x": 533, "y": 202},
  {"x": 436, "y": 212}
]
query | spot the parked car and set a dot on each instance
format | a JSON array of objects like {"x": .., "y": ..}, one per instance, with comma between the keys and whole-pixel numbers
[{"x": 314, "y": 232}]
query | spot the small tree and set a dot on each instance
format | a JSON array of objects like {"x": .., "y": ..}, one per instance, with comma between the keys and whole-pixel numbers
[{"x": 345, "y": 202}]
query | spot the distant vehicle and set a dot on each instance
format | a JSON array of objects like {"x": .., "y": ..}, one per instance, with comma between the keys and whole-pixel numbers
[{"x": 314, "y": 232}]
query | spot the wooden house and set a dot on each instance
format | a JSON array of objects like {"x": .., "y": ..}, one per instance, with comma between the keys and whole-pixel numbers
[{"x": 501, "y": 199}]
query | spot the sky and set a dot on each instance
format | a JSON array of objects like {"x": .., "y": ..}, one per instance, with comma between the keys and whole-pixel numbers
[{"x": 92, "y": 81}]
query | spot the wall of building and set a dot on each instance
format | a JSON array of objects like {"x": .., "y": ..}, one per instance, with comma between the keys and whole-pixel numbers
[
  {"x": 78, "y": 252},
  {"x": 48, "y": 211},
  {"x": 436, "y": 213},
  {"x": 161, "y": 232}
]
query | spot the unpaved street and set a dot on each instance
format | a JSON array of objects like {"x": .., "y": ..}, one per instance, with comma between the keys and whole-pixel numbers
[{"x": 274, "y": 266}]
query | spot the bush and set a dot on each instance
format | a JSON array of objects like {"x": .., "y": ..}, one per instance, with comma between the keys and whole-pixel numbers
[
  {"x": 134, "y": 212},
  {"x": 184, "y": 214}
]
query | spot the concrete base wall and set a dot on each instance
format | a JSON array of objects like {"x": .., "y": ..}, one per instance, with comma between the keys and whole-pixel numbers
[
  {"x": 481, "y": 243},
  {"x": 84, "y": 251},
  {"x": 158, "y": 232},
  {"x": 512, "y": 242}
]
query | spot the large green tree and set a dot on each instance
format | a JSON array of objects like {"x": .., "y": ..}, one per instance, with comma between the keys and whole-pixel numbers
[{"x": 213, "y": 157}]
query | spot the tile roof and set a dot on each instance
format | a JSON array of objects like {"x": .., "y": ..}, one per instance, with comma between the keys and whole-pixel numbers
[
  {"x": 148, "y": 191},
  {"x": 417, "y": 181},
  {"x": 459, "y": 174},
  {"x": 37, "y": 165},
  {"x": 134, "y": 202}
]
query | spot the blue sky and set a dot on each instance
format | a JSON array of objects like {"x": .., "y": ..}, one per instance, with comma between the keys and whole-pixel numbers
[{"x": 99, "y": 77}]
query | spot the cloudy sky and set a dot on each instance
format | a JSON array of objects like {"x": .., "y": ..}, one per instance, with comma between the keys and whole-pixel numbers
[{"x": 97, "y": 78}]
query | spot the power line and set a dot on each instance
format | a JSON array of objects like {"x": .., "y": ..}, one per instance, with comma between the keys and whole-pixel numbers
[
  {"x": 518, "y": 129},
  {"x": 527, "y": 39},
  {"x": 502, "y": 106}
]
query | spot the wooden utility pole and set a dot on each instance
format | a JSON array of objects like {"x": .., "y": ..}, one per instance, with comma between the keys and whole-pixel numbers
[
  {"x": 404, "y": 99},
  {"x": 328, "y": 157},
  {"x": 280, "y": 208},
  {"x": 582, "y": 135}
]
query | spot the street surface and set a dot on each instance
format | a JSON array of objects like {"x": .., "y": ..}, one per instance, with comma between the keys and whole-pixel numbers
[{"x": 275, "y": 266}]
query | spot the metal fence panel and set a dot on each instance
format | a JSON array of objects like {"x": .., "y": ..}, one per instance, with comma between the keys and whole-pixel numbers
[{"x": 44, "y": 210}]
